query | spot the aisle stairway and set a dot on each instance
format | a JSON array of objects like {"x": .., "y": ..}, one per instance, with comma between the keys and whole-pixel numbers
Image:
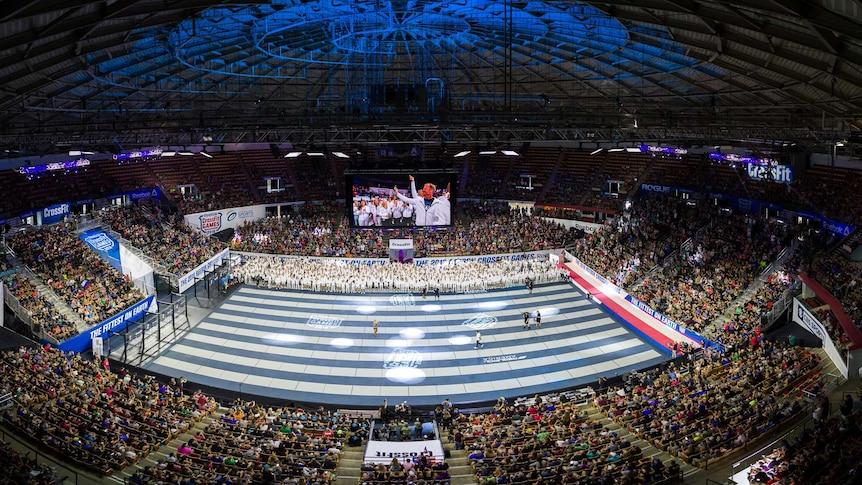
[
  {"x": 648, "y": 450},
  {"x": 460, "y": 471},
  {"x": 170, "y": 447},
  {"x": 47, "y": 293},
  {"x": 348, "y": 469}
]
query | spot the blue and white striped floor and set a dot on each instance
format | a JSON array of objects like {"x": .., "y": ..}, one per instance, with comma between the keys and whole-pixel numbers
[{"x": 320, "y": 348}]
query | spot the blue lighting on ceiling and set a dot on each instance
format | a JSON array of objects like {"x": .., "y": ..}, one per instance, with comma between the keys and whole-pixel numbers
[{"x": 226, "y": 48}]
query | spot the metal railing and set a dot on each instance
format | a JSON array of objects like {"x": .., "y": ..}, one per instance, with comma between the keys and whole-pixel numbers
[{"x": 65, "y": 474}]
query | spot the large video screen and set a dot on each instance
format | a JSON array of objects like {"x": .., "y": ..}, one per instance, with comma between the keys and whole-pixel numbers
[{"x": 401, "y": 199}]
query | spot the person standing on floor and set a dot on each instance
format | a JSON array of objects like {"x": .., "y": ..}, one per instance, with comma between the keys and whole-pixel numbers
[
  {"x": 374, "y": 325},
  {"x": 479, "y": 339},
  {"x": 538, "y": 319}
]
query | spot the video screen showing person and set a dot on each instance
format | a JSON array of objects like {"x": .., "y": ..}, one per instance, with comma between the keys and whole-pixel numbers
[{"x": 401, "y": 200}]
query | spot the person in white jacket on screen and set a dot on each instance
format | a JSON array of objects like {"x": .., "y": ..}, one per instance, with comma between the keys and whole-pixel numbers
[{"x": 429, "y": 210}]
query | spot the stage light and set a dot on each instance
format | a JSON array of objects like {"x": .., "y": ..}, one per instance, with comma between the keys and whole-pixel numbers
[
  {"x": 293, "y": 154},
  {"x": 342, "y": 343},
  {"x": 460, "y": 340},
  {"x": 398, "y": 343},
  {"x": 169, "y": 154},
  {"x": 597, "y": 150},
  {"x": 633, "y": 150},
  {"x": 462, "y": 154},
  {"x": 282, "y": 339},
  {"x": 487, "y": 152},
  {"x": 341, "y": 155},
  {"x": 75, "y": 153},
  {"x": 549, "y": 311},
  {"x": 615, "y": 150},
  {"x": 186, "y": 153},
  {"x": 405, "y": 375},
  {"x": 412, "y": 333},
  {"x": 206, "y": 154},
  {"x": 492, "y": 305},
  {"x": 511, "y": 153},
  {"x": 315, "y": 154}
]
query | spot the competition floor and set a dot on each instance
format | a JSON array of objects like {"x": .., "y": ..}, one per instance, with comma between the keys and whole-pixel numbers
[{"x": 320, "y": 347}]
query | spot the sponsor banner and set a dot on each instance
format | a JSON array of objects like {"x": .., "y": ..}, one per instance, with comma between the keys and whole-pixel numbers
[
  {"x": 55, "y": 213},
  {"x": 587, "y": 227},
  {"x": 668, "y": 322},
  {"x": 365, "y": 261},
  {"x": 497, "y": 359},
  {"x": 485, "y": 259},
  {"x": 804, "y": 318},
  {"x": 154, "y": 193},
  {"x": 664, "y": 189},
  {"x": 385, "y": 451},
  {"x": 480, "y": 321},
  {"x": 400, "y": 244},
  {"x": 748, "y": 206},
  {"x": 140, "y": 194},
  {"x": 836, "y": 227},
  {"x": 402, "y": 299},
  {"x": 215, "y": 221},
  {"x": 105, "y": 246},
  {"x": 187, "y": 280},
  {"x": 83, "y": 341},
  {"x": 608, "y": 286},
  {"x": 782, "y": 174},
  {"x": 323, "y": 321}
]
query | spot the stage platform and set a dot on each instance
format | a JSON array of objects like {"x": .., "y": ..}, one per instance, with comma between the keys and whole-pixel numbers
[{"x": 320, "y": 348}]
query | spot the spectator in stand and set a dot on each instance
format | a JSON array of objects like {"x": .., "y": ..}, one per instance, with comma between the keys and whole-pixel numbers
[
  {"x": 88, "y": 284},
  {"x": 168, "y": 242}
]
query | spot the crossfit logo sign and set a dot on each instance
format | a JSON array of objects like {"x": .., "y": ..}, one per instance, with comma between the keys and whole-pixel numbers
[
  {"x": 480, "y": 322},
  {"x": 210, "y": 222},
  {"x": 100, "y": 242},
  {"x": 402, "y": 358},
  {"x": 405, "y": 299},
  {"x": 323, "y": 321}
]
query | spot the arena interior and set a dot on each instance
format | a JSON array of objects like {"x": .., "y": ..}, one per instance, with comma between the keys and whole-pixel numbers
[{"x": 355, "y": 242}]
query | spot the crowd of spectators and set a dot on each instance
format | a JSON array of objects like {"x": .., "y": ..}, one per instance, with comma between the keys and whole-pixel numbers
[
  {"x": 250, "y": 443},
  {"x": 167, "y": 240},
  {"x": 550, "y": 441},
  {"x": 704, "y": 279},
  {"x": 20, "y": 469},
  {"x": 717, "y": 405},
  {"x": 80, "y": 409},
  {"x": 825, "y": 454},
  {"x": 423, "y": 470},
  {"x": 746, "y": 318},
  {"x": 87, "y": 283},
  {"x": 485, "y": 231},
  {"x": 640, "y": 238},
  {"x": 42, "y": 312},
  {"x": 336, "y": 276},
  {"x": 222, "y": 198},
  {"x": 842, "y": 279}
]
